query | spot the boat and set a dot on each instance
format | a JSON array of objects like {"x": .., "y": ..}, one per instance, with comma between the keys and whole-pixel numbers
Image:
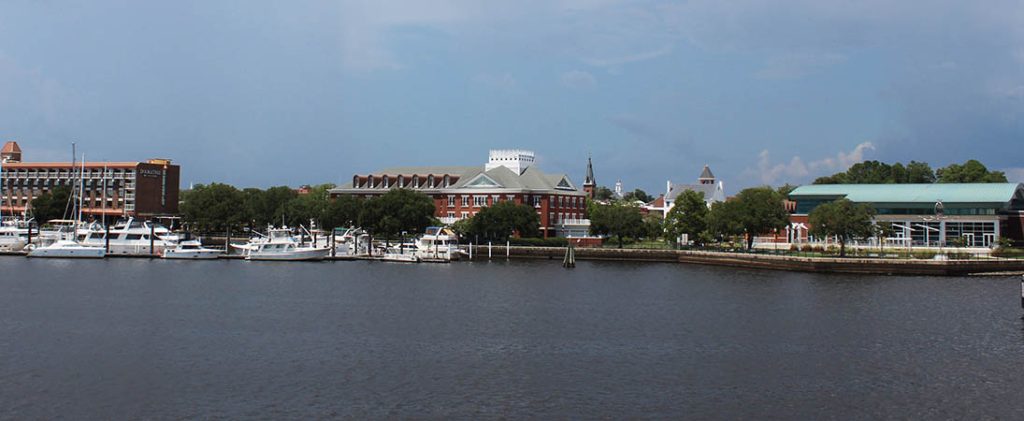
[
  {"x": 351, "y": 241},
  {"x": 68, "y": 245},
  {"x": 131, "y": 236},
  {"x": 13, "y": 235},
  {"x": 191, "y": 250},
  {"x": 280, "y": 245},
  {"x": 400, "y": 253},
  {"x": 438, "y": 244}
]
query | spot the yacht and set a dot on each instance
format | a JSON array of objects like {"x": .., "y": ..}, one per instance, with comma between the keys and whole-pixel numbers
[
  {"x": 280, "y": 244},
  {"x": 13, "y": 235},
  {"x": 190, "y": 250},
  {"x": 131, "y": 236},
  {"x": 403, "y": 253},
  {"x": 351, "y": 242},
  {"x": 438, "y": 244}
]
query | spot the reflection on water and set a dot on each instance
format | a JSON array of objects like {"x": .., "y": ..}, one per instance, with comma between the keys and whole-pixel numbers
[{"x": 123, "y": 338}]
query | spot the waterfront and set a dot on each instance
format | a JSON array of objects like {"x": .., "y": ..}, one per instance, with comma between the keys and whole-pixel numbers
[{"x": 133, "y": 338}]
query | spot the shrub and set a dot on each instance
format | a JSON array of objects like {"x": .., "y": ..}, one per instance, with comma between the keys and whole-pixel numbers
[{"x": 540, "y": 242}]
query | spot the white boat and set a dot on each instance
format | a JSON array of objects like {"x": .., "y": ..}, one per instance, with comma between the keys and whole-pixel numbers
[
  {"x": 68, "y": 249},
  {"x": 68, "y": 245},
  {"x": 280, "y": 245},
  {"x": 351, "y": 242},
  {"x": 191, "y": 250},
  {"x": 404, "y": 253},
  {"x": 13, "y": 235},
  {"x": 131, "y": 236},
  {"x": 438, "y": 244}
]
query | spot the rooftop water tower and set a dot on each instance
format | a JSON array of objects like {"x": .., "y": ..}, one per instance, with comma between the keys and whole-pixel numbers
[{"x": 517, "y": 160}]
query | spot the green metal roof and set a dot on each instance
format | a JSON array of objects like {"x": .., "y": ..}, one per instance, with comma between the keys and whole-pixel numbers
[{"x": 913, "y": 193}]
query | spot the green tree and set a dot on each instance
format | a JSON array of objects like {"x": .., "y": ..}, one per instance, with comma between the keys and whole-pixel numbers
[
  {"x": 843, "y": 219},
  {"x": 399, "y": 210},
  {"x": 723, "y": 220},
  {"x": 342, "y": 211},
  {"x": 51, "y": 205},
  {"x": 637, "y": 195},
  {"x": 213, "y": 207},
  {"x": 971, "y": 171},
  {"x": 919, "y": 173},
  {"x": 266, "y": 207},
  {"x": 688, "y": 216},
  {"x": 786, "y": 189},
  {"x": 654, "y": 227},
  {"x": 617, "y": 219},
  {"x": 603, "y": 193},
  {"x": 500, "y": 220},
  {"x": 760, "y": 210}
]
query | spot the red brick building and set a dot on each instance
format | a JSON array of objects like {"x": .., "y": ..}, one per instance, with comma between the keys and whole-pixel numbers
[
  {"x": 138, "y": 189},
  {"x": 461, "y": 192}
]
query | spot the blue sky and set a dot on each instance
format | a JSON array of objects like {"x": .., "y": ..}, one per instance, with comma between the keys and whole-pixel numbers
[{"x": 260, "y": 93}]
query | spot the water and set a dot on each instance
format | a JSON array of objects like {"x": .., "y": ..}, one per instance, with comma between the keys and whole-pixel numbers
[{"x": 128, "y": 339}]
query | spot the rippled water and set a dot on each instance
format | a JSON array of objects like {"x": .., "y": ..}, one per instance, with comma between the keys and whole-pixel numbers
[{"x": 124, "y": 338}]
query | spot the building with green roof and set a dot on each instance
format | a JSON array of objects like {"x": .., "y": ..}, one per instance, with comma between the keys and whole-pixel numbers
[{"x": 974, "y": 214}]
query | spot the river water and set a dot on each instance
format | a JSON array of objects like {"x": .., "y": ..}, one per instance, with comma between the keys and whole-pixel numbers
[{"x": 130, "y": 339}]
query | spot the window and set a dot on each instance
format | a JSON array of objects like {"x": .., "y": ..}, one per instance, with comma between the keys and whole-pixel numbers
[
  {"x": 451, "y": 201},
  {"x": 451, "y": 215},
  {"x": 479, "y": 201},
  {"x": 536, "y": 201},
  {"x": 465, "y": 201},
  {"x": 465, "y": 215},
  {"x": 551, "y": 201},
  {"x": 510, "y": 197},
  {"x": 494, "y": 199}
]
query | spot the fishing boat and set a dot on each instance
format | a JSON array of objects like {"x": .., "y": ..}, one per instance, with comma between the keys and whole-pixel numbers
[
  {"x": 191, "y": 250},
  {"x": 279, "y": 244}
]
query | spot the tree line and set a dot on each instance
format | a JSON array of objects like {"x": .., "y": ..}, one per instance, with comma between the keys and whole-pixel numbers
[{"x": 875, "y": 172}]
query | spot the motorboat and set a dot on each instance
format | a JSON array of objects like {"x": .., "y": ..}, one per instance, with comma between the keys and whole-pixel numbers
[
  {"x": 401, "y": 253},
  {"x": 67, "y": 247},
  {"x": 438, "y": 243},
  {"x": 351, "y": 242},
  {"x": 281, "y": 245},
  {"x": 131, "y": 236},
  {"x": 191, "y": 250},
  {"x": 13, "y": 235}
]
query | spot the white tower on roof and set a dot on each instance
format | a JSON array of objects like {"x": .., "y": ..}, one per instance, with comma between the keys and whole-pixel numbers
[{"x": 517, "y": 160}]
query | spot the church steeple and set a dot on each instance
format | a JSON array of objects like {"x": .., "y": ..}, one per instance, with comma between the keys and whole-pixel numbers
[{"x": 590, "y": 184}]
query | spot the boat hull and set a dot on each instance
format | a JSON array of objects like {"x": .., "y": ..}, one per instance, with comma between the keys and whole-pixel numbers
[
  {"x": 73, "y": 252},
  {"x": 289, "y": 256},
  {"x": 191, "y": 254}
]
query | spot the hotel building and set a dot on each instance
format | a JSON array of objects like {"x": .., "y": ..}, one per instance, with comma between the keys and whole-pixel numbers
[
  {"x": 974, "y": 215},
  {"x": 508, "y": 175},
  {"x": 113, "y": 189}
]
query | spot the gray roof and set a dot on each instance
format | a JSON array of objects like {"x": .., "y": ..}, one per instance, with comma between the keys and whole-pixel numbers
[
  {"x": 707, "y": 173},
  {"x": 707, "y": 189},
  {"x": 497, "y": 178}
]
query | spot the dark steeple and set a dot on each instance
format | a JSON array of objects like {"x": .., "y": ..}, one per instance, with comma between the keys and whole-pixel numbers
[
  {"x": 589, "y": 184},
  {"x": 706, "y": 177}
]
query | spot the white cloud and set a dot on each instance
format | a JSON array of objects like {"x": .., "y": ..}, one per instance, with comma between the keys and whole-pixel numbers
[
  {"x": 578, "y": 79},
  {"x": 797, "y": 171}
]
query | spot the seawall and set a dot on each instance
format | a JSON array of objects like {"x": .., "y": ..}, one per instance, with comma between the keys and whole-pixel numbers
[{"x": 775, "y": 262}]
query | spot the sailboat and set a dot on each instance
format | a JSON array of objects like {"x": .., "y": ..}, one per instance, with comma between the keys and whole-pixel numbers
[{"x": 68, "y": 245}]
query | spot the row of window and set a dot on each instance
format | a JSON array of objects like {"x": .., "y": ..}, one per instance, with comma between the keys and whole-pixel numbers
[
  {"x": 61, "y": 182},
  {"x": 401, "y": 181},
  {"x": 553, "y": 218},
  {"x": 67, "y": 174},
  {"x": 572, "y": 202}
]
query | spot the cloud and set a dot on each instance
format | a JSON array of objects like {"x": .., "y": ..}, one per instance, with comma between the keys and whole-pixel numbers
[
  {"x": 797, "y": 65},
  {"x": 796, "y": 171},
  {"x": 629, "y": 58},
  {"x": 578, "y": 79},
  {"x": 1014, "y": 175}
]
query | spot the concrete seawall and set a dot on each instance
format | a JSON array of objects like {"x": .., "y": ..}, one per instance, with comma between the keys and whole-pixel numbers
[{"x": 775, "y": 262}]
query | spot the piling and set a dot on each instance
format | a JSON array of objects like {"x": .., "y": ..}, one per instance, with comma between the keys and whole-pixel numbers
[
  {"x": 508, "y": 245},
  {"x": 106, "y": 239},
  {"x": 334, "y": 246},
  {"x": 488, "y": 250},
  {"x": 227, "y": 242},
  {"x": 569, "y": 261},
  {"x": 152, "y": 239}
]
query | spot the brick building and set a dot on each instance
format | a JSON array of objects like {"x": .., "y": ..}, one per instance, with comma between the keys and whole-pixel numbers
[
  {"x": 509, "y": 175},
  {"x": 114, "y": 189}
]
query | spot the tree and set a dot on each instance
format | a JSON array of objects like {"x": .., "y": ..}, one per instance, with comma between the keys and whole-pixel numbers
[
  {"x": 213, "y": 207},
  {"x": 971, "y": 171},
  {"x": 723, "y": 220},
  {"x": 51, "y": 205},
  {"x": 637, "y": 195},
  {"x": 603, "y": 193},
  {"x": 786, "y": 189},
  {"x": 617, "y": 219},
  {"x": 688, "y": 216},
  {"x": 305, "y": 207},
  {"x": 919, "y": 173},
  {"x": 653, "y": 226},
  {"x": 759, "y": 210},
  {"x": 500, "y": 220},
  {"x": 343, "y": 211},
  {"x": 399, "y": 210},
  {"x": 266, "y": 207},
  {"x": 844, "y": 219}
]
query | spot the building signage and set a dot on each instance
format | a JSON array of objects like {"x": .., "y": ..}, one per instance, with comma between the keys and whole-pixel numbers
[{"x": 151, "y": 173}]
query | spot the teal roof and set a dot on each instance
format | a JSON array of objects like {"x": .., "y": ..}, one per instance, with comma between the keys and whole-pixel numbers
[{"x": 913, "y": 193}]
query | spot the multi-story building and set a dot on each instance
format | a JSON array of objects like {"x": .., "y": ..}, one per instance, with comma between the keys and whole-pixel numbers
[
  {"x": 113, "y": 189},
  {"x": 509, "y": 175},
  {"x": 937, "y": 215},
  {"x": 713, "y": 191}
]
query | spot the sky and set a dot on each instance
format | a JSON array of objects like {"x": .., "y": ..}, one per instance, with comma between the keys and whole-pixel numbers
[{"x": 262, "y": 93}]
